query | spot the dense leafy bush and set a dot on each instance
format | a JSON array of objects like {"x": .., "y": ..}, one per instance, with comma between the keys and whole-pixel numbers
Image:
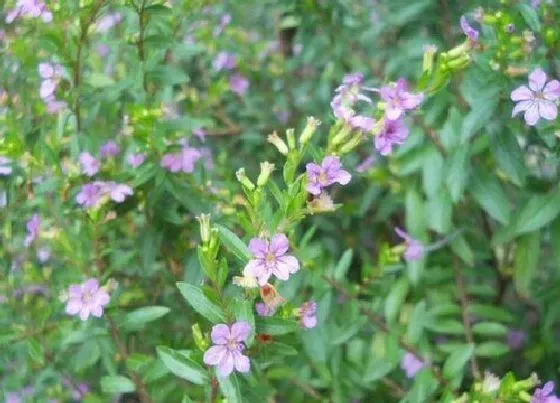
[{"x": 294, "y": 201}]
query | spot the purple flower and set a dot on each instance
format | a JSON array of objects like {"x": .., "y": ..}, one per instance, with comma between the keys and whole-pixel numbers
[
  {"x": 366, "y": 164},
  {"x": 135, "y": 160},
  {"x": 87, "y": 299},
  {"x": 50, "y": 73},
  {"x": 238, "y": 84},
  {"x": 47, "y": 89},
  {"x": 13, "y": 397},
  {"x": 79, "y": 392},
  {"x": 414, "y": 249},
  {"x": 516, "y": 338},
  {"x": 32, "y": 226},
  {"x": 43, "y": 254},
  {"x": 226, "y": 353},
  {"x": 393, "y": 132},
  {"x": 200, "y": 133},
  {"x": 270, "y": 259},
  {"x": 29, "y": 8},
  {"x": 5, "y": 168},
  {"x": 109, "y": 149},
  {"x": 537, "y": 101},
  {"x": 102, "y": 50},
  {"x": 468, "y": 30},
  {"x": 535, "y": 3},
  {"x": 108, "y": 21},
  {"x": 308, "y": 314},
  {"x": 545, "y": 395},
  {"x": 89, "y": 195},
  {"x": 348, "y": 94},
  {"x": 362, "y": 123},
  {"x": 329, "y": 172},
  {"x": 54, "y": 105},
  {"x": 224, "y": 21},
  {"x": 118, "y": 191},
  {"x": 410, "y": 364},
  {"x": 264, "y": 310},
  {"x": 224, "y": 61},
  {"x": 399, "y": 99},
  {"x": 90, "y": 166},
  {"x": 181, "y": 161}
]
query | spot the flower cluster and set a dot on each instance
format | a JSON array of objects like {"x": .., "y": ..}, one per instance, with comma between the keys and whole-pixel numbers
[
  {"x": 51, "y": 73},
  {"x": 87, "y": 299},
  {"x": 181, "y": 161},
  {"x": 29, "y": 9},
  {"x": 92, "y": 194}
]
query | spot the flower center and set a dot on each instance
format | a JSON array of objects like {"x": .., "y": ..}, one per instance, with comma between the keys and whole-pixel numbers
[
  {"x": 270, "y": 258},
  {"x": 323, "y": 178},
  {"x": 87, "y": 297}
]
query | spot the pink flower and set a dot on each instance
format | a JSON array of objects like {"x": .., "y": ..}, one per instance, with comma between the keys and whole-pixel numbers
[
  {"x": 32, "y": 226},
  {"x": 468, "y": 30},
  {"x": 362, "y": 123},
  {"x": 29, "y": 8},
  {"x": 410, "y": 364},
  {"x": 414, "y": 249},
  {"x": 226, "y": 353},
  {"x": 264, "y": 310},
  {"x": 270, "y": 259},
  {"x": 200, "y": 133},
  {"x": 87, "y": 299},
  {"x": 545, "y": 395},
  {"x": 5, "y": 168},
  {"x": 50, "y": 73},
  {"x": 54, "y": 106},
  {"x": 399, "y": 99},
  {"x": 135, "y": 160},
  {"x": 539, "y": 100},
  {"x": 109, "y": 149},
  {"x": 118, "y": 192},
  {"x": 90, "y": 166},
  {"x": 238, "y": 84},
  {"x": 393, "y": 132},
  {"x": 224, "y": 61},
  {"x": 89, "y": 195},
  {"x": 329, "y": 172},
  {"x": 308, "y": 314},
  {"x": 182, "y": 161},
  {"x": 108, "y": 21}
]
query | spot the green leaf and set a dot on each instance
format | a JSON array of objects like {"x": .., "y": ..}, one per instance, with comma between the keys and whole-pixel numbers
[
  {"x": 447, "y": 326},
  {"x": 99, "y": 80},
  {"x": 394, "y": 300},
  {"x": 418, "y": 319},
  {"x": 233, "y": 244},
  {"x": 539, "y": 211},
  {"x": 439, "y": 209},
  {"x": 343, "y": 265},
  {"x": 489, "y": 329},
  {"x": 230, "y": 388},
  {"x": 455, "y": 363},
  {"x": 476, "y": 119},
  {"x": 491, "y": 349},
  {"x": 200, "y": 303},
  {"x": 415, "y": 221},
  {"x": 117, "y": 384},
  {"x": 36, "y": 351},
  {"x": 526, "y": 259},
  {"x": 432, "y": 172},
  {"x": 243, "y": 310},
  {"x": 487, "y": 191},
  {"x": 457, "y": 172},
  {"x": 138, "y": 318},
  {"x": 461, "y": 248},
  {"x": 423, "y": 387},
  {"x": 180, "y": 363},
  {"x": 530, "y": 16},
  {"x": 508, "y": 155},
  {"x": 275, "y": 326}
]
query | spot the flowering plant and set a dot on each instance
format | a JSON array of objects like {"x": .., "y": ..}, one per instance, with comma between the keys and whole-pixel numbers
[{"x": 304, "y": 201}]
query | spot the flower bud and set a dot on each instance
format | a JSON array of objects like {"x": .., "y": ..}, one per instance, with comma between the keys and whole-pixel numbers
[
  {"x": 321, "y": 204},
  {"x": 199, "y": 338},
  {"x": 341, "y": 135},
  {"x": 428, "y": 60},
  {"x": 278, "y": 143},
  {"x": 290, "y": 135},
  {"x": 351, "y": 144},
  {"x": 243, "y": 179},
  {"x": 204, "y": 220},
  {"x": 266, "y": 170},
  {"x": 309, "y": 129}
]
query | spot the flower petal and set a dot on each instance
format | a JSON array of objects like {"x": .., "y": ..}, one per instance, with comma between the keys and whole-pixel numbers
[
  {"x": 254, "y": 268},
  {"x": 225, "y": 366},
  {"x": 258, "y": 247},
  {"x": 240, "y": 331},
  {"x": 279, "y": 245},
  {"x": 547, "y": 109},
  {"x": 342, "y": 177},
  {"x": 91, "y": 285},
  {"x": 309, "y": 321},
  {"x": 47, "y": 88},
  {"x": 532, "y": 114},
  {"x": 214, "y": 354},
  {"x": 242, "y": 363},
  {"x": 521, "y": 107},
  {"x": 537, "y": 79},
  {"x": 73, "y": 306},
  {"x": 522, "y": 94},
  {"x": 552, "y": 90},
  {"x": 84, "y": 312},
  {"x": 96, "y": 310},
  {"x": 220, "y": 334}
]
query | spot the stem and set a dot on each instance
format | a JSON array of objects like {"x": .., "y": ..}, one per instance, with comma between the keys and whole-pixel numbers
[
  {"x": 464, "y": 312},
  {"x": 380, "y": 323},
  {"x": 306, "y": 388},
  {"x": 502, "y": 281},
  {"x": 140, "y": 44},
  {"x": 432, "y": 135},
  {"x": 141, "y": 389}
]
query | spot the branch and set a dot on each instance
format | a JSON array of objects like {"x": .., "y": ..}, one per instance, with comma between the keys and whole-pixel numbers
[
  {"x": 464, "y": 311},
  {"x": 380, "y": 323},
  {"x": 141, "y": 389}
]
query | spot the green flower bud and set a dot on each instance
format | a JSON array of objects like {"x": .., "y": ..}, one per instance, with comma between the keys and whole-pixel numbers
[
  {"x": 278, "y": 143},
  {"x": 204, "y": 221},
  {"x": 266, "y": 170},
  {"x": 309, "y": 130},
  {"x": 290, "y": 135},
  {"x": 243, "y": 179}
]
